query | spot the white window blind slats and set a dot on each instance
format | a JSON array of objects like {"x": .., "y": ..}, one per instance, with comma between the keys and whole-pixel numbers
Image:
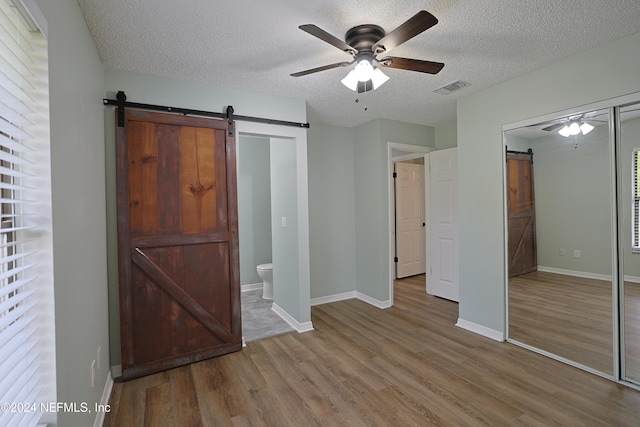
[
  {"x": 12, "y": 355},
  {"x": 14, "y": 45},
  {"x": 12, "y": 229},
  {"x": 8, "y": 157},
  {"x": 9, "y": 382},
  {"x": 12, "y": 259},
  {"x": 15, "y": 286},
  {"x": 13, "y": 145},
  {"x": 14, "y": 173},
  {"x": 14, "y": 201},
  {"x": 16, "y": 321},
  {"x": 13, "y": 272},
  {"x": 13, "y": 187},
  {"x": 636, "y": 199},
  {"x": 9, "y": 303},
  {"x": 13, "y": 131},
  {"x": 10, "y": 114},
  {"x": 26, "y": 313},
  {"x": 11, "y": 80}
]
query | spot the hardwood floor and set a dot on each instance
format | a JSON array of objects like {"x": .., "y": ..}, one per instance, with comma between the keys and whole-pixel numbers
[
  {"x": 568, "y": 316},
  {"x": 362, "y": 366}
]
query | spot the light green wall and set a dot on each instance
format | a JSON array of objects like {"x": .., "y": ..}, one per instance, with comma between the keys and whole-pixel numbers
[
  {"x": 349, "y": 215},
  {"x": 446, "y": 135},
  {"x": 331, "y": 210},
  {"x": 154, "y": 90},
  {"x": 284, "y": 205},
  {"x": 573, "y": 201},
  {"x": 254, "y": 206},
  {"x": 76, "y": 85},
  {"x": 372, "y": 198},
  {"x": 599, "y": 74}
]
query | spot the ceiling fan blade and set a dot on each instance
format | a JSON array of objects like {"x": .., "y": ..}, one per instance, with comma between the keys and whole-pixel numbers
[
  {"x": 420, "y": 22},
  {"x": 419, "y": 65},
  {"x": 324, "y": 36},
  {"x": 323, "y": 68},
  {"x": 553, "y": 127}
]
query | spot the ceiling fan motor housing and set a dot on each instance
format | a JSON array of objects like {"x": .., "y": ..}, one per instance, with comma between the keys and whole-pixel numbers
[{"x": 363, "y": 37}]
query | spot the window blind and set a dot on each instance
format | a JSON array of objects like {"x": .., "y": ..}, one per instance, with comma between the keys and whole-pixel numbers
[
  {"x": 636, "y": 199},
  {"x": 26, "y": 348}
]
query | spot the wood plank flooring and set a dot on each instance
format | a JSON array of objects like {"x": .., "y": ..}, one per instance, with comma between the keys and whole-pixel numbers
[
  {"x": 404, "y": 366},
  {"x": 571, "y": 317}
]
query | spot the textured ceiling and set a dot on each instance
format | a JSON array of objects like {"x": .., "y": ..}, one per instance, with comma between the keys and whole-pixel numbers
[{"x": 255, "y": 44}]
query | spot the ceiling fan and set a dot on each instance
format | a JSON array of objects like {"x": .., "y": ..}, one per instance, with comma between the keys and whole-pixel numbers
[
  {"x": 368, "y": 44},
  {"x": 574, "y": 125}
]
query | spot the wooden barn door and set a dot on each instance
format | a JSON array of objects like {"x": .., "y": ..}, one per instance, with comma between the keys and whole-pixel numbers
[
  {"x": 521, "y": 214},
  {"x": 177, "y": 241}
]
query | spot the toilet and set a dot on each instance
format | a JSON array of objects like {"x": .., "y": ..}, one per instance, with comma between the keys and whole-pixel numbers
[{"x": 265, "y": 271}]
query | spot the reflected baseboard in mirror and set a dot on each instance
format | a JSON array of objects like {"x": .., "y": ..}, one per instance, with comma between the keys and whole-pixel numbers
[{"x": 568, "y": 316}]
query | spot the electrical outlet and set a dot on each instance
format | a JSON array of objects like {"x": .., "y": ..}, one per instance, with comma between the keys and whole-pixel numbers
[
  {"x": 93, "y": 373},
  {"x": 576, "y": 253},
  {"x": 562, "y": 252}
]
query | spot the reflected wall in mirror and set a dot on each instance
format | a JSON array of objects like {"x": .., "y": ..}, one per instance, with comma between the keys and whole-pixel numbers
[
  {"x": 629, "y": 164},
  {"x": 561, "y": 214}
]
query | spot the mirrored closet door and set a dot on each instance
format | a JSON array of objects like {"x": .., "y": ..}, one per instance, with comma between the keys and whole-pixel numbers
[
  {"x": 629, "y": 203},
  {"x": 560, "y": 205}
]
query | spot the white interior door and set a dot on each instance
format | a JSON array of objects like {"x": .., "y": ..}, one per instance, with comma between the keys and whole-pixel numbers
[
  {"x": 443, "y": 220},
  {"x": 410, "y": 219}
]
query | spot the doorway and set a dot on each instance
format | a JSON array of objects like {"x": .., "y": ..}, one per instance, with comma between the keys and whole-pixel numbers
[
  {"x": 397, "y": 152},
  {"x": 289, "y": 221},
  {"x": 410, "y": 220}
]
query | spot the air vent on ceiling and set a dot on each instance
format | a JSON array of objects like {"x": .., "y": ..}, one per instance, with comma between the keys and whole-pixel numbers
[{"x": 452, "y": 87}]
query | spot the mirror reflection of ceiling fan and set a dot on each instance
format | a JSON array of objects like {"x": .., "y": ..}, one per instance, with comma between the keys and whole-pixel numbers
[
  {"x": 574, "y": 125},
  {"x": 368, "y": 45},
  {"x": 581, "y": 123}
]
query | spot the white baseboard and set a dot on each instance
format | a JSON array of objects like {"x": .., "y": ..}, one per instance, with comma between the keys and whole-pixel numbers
[
  {"x": 584, "y": 274},
  {"x": 632, "y": 279},
  {"x": 334, "y": 298},
  {"x": 250, "y": 287},
  {"x": 351, "y": 295},
  {"x": 300, "y": 327},
  {"x": 481, "y": 330},
  {"x": 374, "y": 302},
  {"x": 104, "y": 401}
]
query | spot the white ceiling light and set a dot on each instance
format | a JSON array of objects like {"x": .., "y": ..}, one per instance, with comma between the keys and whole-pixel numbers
[
  {"x": 351, "y": 81},
  {"x": 574, "y": 128},
  {"x": 378, "y": 78},
  {"x": 363, "y": 72},
  {"x": 586, "y": 128}
]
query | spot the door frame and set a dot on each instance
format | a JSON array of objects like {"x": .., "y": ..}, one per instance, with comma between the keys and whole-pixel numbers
[
  {"x": 396, "y": 200},
  {"x": 410, "y": 152},
  {"x": 294, "y": 309}
]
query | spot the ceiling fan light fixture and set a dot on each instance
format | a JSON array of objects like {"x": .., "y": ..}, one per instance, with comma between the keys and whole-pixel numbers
[
  {"x": 363, "y": 70},
  {"x": 565, "y": 131},
  {"x": 574, "y": 128},
  {"x": 585, "y": 128},
  {"x": 378, "y": 78},
  {"x": 351, "y": 81}
]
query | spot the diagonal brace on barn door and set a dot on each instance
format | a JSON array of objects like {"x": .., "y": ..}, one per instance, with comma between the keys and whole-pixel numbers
[{"x": 180, "y": 296}]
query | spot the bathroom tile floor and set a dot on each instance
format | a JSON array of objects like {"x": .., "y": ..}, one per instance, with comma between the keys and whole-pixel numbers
[{"x": 258, "y": 321}]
